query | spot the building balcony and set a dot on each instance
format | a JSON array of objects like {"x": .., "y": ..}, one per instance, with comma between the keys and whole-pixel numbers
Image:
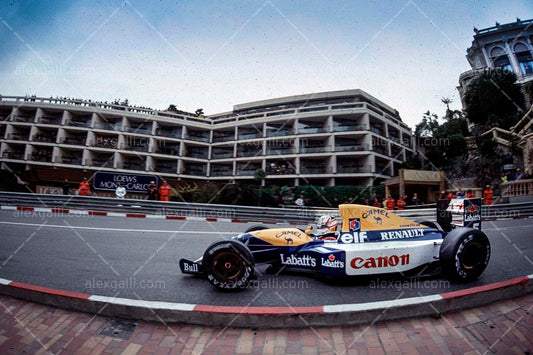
[
  {"x": 250, "y": 136},
  {"x": 280, "y": 133},
  {"x": 351, "y": 148},
  {"x": 50, "y": 120},
  {"x": 192, "y": 137},
  {"x": 13, "y": 155},
  {"x": 349, "y": 128},
  {"x": 251, "y": 153},
  {"x": 222, "y": 173},
  {"x": 311, "y": 130},
  {"x": 73, "y": 141},
  {"x": 107, "y": 126},
  {"x": 168, "y": 134},
  {"x": 320, "y": 170},
  {"x": 42, "y": 138},
  {"x": 68, "y": 160},
  {"x": 280, "y": 151},
  {"x": 305, "y": 150},
  {"x": 76, "y": 123},
  {"x": 218, "y": 139},
  {"x": 197, "y": 155},
  {"x": 23, "y": 118},
  {"x": 353, "y": 170},
  {"x": 138, "y": 130},
  {"x": 221, "y": 155}
]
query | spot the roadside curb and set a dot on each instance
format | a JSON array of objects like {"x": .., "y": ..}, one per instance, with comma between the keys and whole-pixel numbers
[
  {"x": 272, "y": 317},
  {"x": 131, "y": 215}
]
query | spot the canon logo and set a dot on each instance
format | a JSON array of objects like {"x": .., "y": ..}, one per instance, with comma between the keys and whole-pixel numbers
[{"x": 382, "y": 261}]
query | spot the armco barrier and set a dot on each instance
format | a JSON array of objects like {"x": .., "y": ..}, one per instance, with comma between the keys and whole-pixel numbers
[{"x": 245, "y": 213}]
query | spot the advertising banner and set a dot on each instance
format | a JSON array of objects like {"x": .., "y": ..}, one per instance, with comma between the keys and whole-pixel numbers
[{"x": 132, "y": 182}]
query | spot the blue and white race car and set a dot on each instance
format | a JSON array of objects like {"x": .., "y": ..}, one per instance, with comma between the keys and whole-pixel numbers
[{"x": 372, "y": 241}]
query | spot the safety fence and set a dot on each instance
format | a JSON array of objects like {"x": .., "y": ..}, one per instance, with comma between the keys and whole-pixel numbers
[{"x": 245, "y": 213}]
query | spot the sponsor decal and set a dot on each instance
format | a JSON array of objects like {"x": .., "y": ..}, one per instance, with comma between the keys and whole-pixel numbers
[
  {"x": 355, "y": 237},
  {"x": 190, "y": 267},
  {"x": 402, "y": 234},
  {"x": 293, "y": 260},
  {"x": 355, "y": 224},
  {"x": 331, "y": 261},
  {"x": 379, "y": 262},
  {"x": 375, "y": 213},
  {"x": 288, "y": 236},
  {"x": 469, "y": 217}
]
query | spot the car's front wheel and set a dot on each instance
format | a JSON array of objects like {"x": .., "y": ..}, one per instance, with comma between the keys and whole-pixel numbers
[
  {"x": 228, "y": 265},
  {"x": 464, "y": 254}
]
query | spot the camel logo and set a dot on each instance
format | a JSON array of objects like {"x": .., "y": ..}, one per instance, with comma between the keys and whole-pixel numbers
[
  {"x": 378, "y": 220},
  {"x": 355, "y": 224},
  {"x": 289, "y": 240}
]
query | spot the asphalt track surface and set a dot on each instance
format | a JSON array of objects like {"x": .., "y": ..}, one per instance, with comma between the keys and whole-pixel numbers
[{"x": 138, "y": 259}]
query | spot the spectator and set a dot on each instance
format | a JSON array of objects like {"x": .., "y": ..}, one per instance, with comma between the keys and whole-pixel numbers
[
  {"x": 367, "y": 202},
  {"x": 84, "y": 188},
  {"x": 390, "y": 203},
  {"x": 120, "y": 192},
  {"x": 164, "y": 191},
  {"x": 451, "y": 195},
  {"x": 415, "y": 200},
  {"x": 519, "y": 175},
  {"x": 376, "y": 202},
  {"x": 152, "y": 191},
  {"x": 401, "y": 203},
  {"x": 503, "y": 178},
  {"x": 442, "y": 195},
  {"x": 300, "y": 201},
  {"x": 488, "y": 196},
  {"x": 66, "y": 187},
  {"x": 470, "y": 194},
  {"x": 406, "y": 199},
  {"x": 460, "y": 194}
]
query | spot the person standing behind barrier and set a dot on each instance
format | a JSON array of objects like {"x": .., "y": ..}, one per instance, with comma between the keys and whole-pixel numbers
[
  {"x": 120, "y": 192},
  {"x": 152, "y": 191},
  {"x": 164, "y": 191},
  {"x": 488, "y": 196},
  {"x": 401, "y": 203},
  {"x": 66, "y": 187},
  {"x": 84, "y": 188},
  {"x": 470, "y": 194},
  {"x": 391, "y": 203}
]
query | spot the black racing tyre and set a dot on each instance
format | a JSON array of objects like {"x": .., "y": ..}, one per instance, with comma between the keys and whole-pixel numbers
[
  {"x": 430, "y": 224},
  {"x": 228, "y": 264},
  {"x": 258, "y": 227},
  {"x": 464, "y": 254}
]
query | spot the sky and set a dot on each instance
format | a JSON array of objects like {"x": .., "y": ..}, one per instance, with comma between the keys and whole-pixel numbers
[{"x": 216, "y": 54}]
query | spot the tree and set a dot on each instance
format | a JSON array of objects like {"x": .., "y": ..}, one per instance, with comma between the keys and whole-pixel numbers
[
  {"x": 494, "y": 99},
  {"x": 428, "y": 126}
]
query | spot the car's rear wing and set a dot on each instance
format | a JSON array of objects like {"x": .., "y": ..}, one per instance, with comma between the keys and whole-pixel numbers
[{"x": 459, "y": 212}]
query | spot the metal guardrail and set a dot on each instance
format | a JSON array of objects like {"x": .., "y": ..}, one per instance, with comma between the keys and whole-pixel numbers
[{"x": 248, "y": 213}]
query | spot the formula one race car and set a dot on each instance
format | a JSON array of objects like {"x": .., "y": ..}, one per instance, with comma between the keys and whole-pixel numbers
[{"x": 372, "y": 241}]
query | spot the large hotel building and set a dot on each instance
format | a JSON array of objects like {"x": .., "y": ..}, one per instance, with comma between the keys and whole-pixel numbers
[{"x": 332, "y": 138}]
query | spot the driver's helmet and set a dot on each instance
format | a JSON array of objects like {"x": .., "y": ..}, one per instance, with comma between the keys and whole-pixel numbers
[{"x": 326, "y": 225}]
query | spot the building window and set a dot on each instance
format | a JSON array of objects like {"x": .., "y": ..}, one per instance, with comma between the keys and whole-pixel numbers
[
  {"x": 500, "y": 59},
  {"x": 524, "y": 58}
]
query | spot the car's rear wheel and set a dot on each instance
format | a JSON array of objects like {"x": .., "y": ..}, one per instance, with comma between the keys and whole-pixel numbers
[
  {"x": 464, "y": 254},
  {"x": 229, "y": 265},
  {"x": 258, "y": 227}
]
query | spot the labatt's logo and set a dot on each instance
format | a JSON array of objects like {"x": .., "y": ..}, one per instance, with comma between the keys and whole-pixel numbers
[
  {"x": 332, "y": 262},
  {"x": 379, "y": 262},
  {"x": 293, "y": 260}
]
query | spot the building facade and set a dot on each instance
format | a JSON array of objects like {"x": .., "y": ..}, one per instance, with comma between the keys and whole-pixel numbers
[
  {"x": 508, "y": 46},
  {"x": 332, "y": 138}
]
